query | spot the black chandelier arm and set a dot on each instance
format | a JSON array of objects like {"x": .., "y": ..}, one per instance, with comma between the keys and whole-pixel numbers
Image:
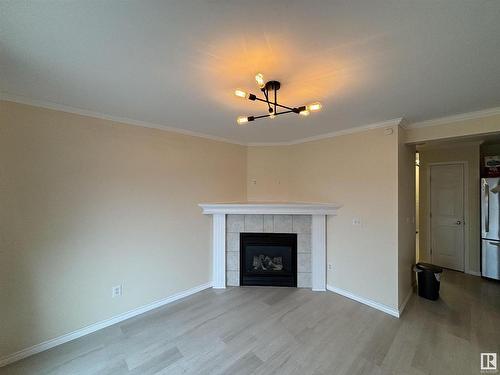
[
  {"x": 276, "y": 104},
  {"x": 252, "y": 118},
  {"x": 272, "y": 103},
  {"x": 275, "y": 99},
  {"x": 266, "y": 94}
]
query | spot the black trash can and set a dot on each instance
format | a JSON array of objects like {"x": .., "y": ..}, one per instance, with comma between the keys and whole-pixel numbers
[{"x": 429, "y": 277}]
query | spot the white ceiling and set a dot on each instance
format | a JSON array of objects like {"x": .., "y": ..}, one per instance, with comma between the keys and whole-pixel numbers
[{"x": 176, "y": 63}]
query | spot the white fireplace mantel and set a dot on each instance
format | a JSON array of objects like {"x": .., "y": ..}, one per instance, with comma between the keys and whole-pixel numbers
[
  {"x": 287, "y": 208},
  {"x": 318, "y": 211}
]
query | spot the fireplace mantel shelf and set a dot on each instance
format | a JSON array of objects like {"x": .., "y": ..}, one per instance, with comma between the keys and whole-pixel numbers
[{"x": 271, "y": 208}]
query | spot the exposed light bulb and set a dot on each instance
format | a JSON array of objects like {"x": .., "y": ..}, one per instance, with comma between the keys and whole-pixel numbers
[
  {"x": 314, "y": 106},
  {"x": 242, "y": 120},
  {"x": 259, "y": 78},
  {"x": 240, "y": 93},
  {"x": 305, "y": 112}
]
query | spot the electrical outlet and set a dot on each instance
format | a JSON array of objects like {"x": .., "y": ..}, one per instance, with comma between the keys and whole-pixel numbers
[
  {"x": 356, "y": 221},
  {"x": 254, "y": 181},
  {"x": 330, "y": 266},
  {"x": 116, "y": 291}
]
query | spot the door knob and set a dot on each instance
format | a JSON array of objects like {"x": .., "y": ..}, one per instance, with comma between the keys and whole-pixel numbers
[{"x": 458, "y": 222}]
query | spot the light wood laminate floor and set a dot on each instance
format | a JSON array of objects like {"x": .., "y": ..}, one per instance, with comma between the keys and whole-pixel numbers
[{"x": 290, "y": 331}]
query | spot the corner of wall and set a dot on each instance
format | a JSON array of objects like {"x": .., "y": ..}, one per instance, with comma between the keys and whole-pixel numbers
[{"x": 406, "y": 217}]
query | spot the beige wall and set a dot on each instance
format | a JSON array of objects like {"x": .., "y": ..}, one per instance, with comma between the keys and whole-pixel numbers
[
  {"x": 268, "y": 173},
  {"x": 86, "y": 204},
  {"x": 360, "y": 172},
  {"x": 446, "y": 153}
]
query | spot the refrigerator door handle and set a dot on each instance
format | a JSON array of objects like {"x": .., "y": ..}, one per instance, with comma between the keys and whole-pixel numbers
[
  {"x": 494, "y": 243},
  {"x": 486, "y": 207}
]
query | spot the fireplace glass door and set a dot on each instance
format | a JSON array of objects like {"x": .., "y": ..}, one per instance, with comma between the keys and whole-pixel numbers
[{"x": 268, "y": 259}]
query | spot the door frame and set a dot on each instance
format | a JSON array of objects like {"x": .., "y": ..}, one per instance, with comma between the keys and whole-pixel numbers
[{"x": 465, "y": 165}]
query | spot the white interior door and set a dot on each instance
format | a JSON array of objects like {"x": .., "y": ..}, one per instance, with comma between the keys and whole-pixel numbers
[{"x": 447, "y": 215}]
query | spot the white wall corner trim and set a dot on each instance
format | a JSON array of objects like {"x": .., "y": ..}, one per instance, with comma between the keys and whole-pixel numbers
[
  {"x": 405, "y": 301},
  {"x": 99, "y": 325},
  {"x": 365, "y": 301}
]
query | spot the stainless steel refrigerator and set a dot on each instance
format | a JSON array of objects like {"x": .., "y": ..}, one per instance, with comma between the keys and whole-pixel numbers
[{"x": 490, "y": 228}]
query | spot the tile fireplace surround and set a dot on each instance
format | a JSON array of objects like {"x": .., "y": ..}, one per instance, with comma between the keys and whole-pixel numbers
[{"x": 308, "y": 220}]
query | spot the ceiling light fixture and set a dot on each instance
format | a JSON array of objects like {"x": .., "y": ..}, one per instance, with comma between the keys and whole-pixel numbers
[{"x": 272, "y": 105}]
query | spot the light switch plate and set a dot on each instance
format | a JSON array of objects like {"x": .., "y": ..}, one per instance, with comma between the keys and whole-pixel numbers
[{"x": 116, "y": 291}]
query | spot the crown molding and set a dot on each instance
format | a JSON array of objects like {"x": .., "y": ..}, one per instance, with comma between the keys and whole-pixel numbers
[
  {"x": 123, "y": 120},
  {"x": 402, "y": 122},
  {"x": 454, "y": 118},
  {"x": 145, "y": 124},
  {"x": 356, "y": 129}
]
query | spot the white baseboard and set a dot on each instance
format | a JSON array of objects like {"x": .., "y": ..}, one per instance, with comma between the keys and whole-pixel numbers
[
  {"x": 366, "y": 301},
  {"x": 405, "y": 301},
  {"x": 99, "y": 325}
]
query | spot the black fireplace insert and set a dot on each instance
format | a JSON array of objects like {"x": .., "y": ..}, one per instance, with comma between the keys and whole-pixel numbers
[{"x": 268, "y": 259}]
